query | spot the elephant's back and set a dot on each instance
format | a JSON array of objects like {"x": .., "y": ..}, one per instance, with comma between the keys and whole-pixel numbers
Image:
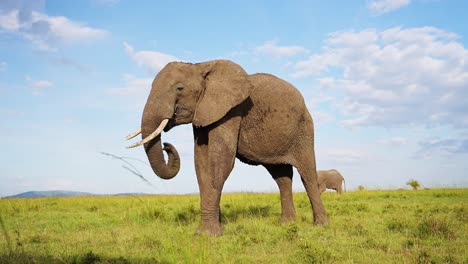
[
  {"x": 273, "y": 88},
  {"x": 333, "y": 174}
]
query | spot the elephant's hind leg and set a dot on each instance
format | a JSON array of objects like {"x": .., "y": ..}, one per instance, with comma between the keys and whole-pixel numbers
[
  {"x": 339, "y": 190},
  {"x": 283, "y": 176},
  {"x": 309, "y": 179}
]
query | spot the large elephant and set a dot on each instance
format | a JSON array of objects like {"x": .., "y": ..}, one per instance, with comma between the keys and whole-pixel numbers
[
  {"x": 330, "y": 179},
  {"x": 259, "y": 118}
]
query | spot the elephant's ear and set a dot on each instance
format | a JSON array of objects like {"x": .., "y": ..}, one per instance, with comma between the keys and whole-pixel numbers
[{"x": 226, "y": 85}]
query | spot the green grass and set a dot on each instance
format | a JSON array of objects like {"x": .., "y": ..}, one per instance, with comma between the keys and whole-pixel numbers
[{"x": 425, "y": 226}]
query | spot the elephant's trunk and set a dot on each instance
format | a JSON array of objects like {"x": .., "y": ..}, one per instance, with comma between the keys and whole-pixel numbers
[{"x": 154, "y": 151}]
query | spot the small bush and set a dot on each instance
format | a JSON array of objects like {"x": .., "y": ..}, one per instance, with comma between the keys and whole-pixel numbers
[
  {"x": 361, "y": 188},
  {"x": 414, "y": 184}
]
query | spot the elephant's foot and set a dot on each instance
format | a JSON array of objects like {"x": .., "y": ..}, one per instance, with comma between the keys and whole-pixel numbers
[
  {"x": 209, "y": 229},
  {"x": 321, "y": 219},
  {"x": 285, "y": 219}
]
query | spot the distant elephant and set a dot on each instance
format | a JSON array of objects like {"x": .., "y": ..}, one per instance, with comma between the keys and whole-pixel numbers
[
  {"x": 259, "y": 118},
  {"x": 330, "y": 179}
]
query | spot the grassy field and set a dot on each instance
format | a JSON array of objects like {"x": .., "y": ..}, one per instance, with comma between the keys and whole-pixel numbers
[{"x": 400, "y": 226}]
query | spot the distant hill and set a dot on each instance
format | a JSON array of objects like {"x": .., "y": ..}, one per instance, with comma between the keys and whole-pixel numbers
[
  {"x": 130, "y": 194},
  {"x": 35, "y": 194}
]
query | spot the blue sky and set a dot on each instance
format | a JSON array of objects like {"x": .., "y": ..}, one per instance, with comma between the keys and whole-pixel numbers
[{"x": 386, "y": 82}]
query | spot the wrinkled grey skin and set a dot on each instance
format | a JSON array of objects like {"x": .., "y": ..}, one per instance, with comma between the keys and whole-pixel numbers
[
  {"x": 260, "y": 119},
  {"x": 330, "y": 179}
]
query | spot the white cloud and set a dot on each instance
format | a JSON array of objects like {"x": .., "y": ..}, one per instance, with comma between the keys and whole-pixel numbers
[
  {"x": 45, "y": 32},
  {"x": 38, "y": 85},
  {"x": 448, "y": 146},
  {"x": 42, "y": 84},
  {"x": 271, "y": 48},
  {"x": 154, "y": 61},
  {"x": 133, "y": 87},
  {"x": 343, "y": 156},
  {"x": 132, "y": 94},
  {"x": 63, "y": 29},
  {"x": 361, "y": 42},
  {"x": 70, "y": 120},
  {"x": 3, "y": 66},
  {"x": 396, "y": 76},
  {"x": 319, "y": 98},
  {"x": 379, "y": 7},
  {"x": 321, "y": 117},
  {"x": 9, "y": 21},
  {"x": 394, "y": 141}
]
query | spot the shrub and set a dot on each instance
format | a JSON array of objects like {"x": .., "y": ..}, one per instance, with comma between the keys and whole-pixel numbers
[{"x": 414, "y": 184}]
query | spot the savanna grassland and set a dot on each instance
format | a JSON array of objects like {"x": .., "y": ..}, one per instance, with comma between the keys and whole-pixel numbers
[{"x": 400, "y": 226}]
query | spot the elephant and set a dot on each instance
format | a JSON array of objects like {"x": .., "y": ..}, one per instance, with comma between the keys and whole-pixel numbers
[
  {"x": 331, "y": 179},
  {"x": 260, "y": 119}
]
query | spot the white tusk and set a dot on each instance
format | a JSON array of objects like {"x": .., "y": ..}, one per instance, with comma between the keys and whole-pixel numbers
[
  {"x": 152, "y": 136},
  {"x": 134, "y": 134}
]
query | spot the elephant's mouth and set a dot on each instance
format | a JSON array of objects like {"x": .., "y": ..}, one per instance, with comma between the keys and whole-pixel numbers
[
  {"x": 181, "y": 114},
  {"x": 170, "y": 124}
]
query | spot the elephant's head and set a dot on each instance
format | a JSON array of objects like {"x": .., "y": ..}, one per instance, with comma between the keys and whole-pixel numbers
[{"x": 183, "y": 93}]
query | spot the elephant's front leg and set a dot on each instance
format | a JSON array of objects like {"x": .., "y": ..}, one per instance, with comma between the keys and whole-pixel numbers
[{"x": 215, "y": 151}]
